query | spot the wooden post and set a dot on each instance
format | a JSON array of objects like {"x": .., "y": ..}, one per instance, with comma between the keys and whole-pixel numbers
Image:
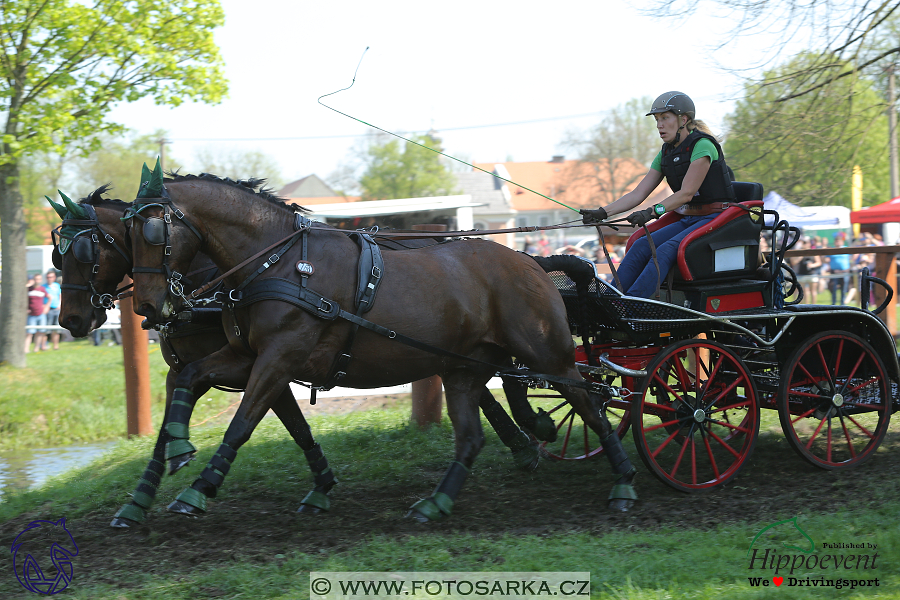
[
  {"x": 137, "y": 370},
  {"x": 886, "y": 268},
  {"x": 427, "y": 394}
]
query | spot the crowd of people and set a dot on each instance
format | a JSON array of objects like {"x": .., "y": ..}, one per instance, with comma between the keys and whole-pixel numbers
[{"x": 44, "y": 301}]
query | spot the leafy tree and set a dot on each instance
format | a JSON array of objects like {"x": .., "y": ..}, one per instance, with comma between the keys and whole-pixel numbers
[
  {"x": 611, "y": 154},
  {"x": 238, "y": 164},
  {"x": 64, "y": 63},
  {"x": 805, "y": 149},
  {"x": 409, "y": 171}
]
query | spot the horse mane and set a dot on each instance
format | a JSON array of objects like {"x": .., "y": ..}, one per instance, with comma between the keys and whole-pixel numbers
[
  {"x": 253, "y": 186},
  {"x": 96, "y": 198}
]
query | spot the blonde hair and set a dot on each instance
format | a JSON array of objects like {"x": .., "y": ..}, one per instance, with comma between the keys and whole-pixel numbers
[{"x": 693, "y": 124}]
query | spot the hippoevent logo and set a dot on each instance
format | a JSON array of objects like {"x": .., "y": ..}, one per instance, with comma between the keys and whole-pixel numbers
[
  {"x": 795, "y": 562},
  {"x": 44, "y": 539}
]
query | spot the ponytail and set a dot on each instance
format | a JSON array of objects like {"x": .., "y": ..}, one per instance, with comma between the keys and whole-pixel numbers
[{"x": 693, "y": 124}]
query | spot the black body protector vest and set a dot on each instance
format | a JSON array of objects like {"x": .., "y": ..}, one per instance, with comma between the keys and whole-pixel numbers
[{"x": 675, "y": 161}]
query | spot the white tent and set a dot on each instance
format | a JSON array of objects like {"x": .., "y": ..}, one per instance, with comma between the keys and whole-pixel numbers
[{"x": 807, "y": 217}]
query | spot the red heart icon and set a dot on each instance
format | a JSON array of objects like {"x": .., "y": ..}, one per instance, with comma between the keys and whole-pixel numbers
[{"x": 778, "y": 580}]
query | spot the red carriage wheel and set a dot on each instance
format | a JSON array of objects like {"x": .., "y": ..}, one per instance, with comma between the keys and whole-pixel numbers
[
  {"x": 696, "y": 420},
  {"x": 834, "y": 402},
  {"x": 575, "y": 440}
]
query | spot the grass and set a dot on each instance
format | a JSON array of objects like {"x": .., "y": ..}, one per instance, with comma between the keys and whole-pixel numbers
[
  {"x": 378, "y": 447},
  {"x": 77, "y": 395}
]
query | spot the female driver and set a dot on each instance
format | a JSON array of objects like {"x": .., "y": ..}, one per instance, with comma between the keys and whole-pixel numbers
[{"x": 693, "y": 164}]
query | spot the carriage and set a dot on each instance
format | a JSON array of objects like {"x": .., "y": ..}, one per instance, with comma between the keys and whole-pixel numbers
[{"x": 689, "y": 372}]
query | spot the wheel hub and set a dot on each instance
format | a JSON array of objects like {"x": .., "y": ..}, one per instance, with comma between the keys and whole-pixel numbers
[
  {"x": 837, "y": 400},
  {"x": 699, "y": 415}
]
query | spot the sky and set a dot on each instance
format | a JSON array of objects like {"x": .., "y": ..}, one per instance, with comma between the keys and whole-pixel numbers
[{"x": 462, "y": 68}]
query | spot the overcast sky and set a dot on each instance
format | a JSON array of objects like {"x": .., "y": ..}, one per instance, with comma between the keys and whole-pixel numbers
[{"x": 442, "y": 65}]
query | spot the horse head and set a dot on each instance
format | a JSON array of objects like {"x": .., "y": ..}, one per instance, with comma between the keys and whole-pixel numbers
[
  {"x": 163, "y": 248},
  {"x": 89, "y": 253}
]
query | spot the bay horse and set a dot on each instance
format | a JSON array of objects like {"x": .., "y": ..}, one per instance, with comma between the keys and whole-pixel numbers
[
  {"x": 464, "y": 307},
  {"x": 91, "y": 273}
]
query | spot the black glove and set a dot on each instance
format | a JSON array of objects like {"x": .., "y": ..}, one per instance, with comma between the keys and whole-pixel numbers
[
  {"x": 589, "y": 217},
  {"x": 639, "y": 218}
]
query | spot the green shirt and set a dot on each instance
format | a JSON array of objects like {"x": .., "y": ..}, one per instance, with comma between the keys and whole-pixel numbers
[{"x": 702, "y": 148}]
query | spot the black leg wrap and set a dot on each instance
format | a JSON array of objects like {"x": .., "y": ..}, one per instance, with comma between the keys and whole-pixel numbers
[
  {"x": 318, "y": 464},
  {"x": 615, "y": 452},
  {"x": 506, "y": 429},
  {"x": 314, "y": 454},
  {"x": 453, "y": 480},
  {"x": 216, "y": 470},
  {"x": 325, "y": 481}
]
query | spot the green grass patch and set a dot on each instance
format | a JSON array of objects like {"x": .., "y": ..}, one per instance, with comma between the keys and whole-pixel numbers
[{"x": 77, "y": 395}]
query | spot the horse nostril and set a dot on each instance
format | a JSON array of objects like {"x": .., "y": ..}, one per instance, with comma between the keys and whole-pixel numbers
[
  {"x": 72, "y": 322},
  {"x": 146, "y": 309}
]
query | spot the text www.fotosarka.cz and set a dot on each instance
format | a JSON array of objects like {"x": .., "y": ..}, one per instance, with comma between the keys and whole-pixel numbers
[{"x": 325, "y": 585}]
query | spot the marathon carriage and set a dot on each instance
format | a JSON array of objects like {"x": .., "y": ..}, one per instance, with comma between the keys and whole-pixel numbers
[{"x": 689, "y": 373}]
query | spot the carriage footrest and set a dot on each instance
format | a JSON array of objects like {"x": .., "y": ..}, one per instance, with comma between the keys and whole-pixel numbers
[{"x": 719, "y": 297}]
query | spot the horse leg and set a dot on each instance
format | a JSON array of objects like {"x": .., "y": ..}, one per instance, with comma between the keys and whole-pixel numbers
[
  {"x": 525, "y": 451},
  {"x": 463, "y": 390},
  {"x": 317, "y": 500},
  {"x": 539, "y": 423},
  {"x": 267, "y": 381},
  {"x": 143, "y": 495},
  {"x": 179, "y": 450},
  {"x": 588, "y": 406}
]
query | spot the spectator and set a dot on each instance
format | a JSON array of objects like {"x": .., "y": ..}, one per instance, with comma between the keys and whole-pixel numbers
[
  {"x": 113, "y": 317},
  {"x": 55, "y": 293},
  {"x": 38, "y": 305},
  {"x": 530, "y": 247},
  {"x": 839, "y": 266}
]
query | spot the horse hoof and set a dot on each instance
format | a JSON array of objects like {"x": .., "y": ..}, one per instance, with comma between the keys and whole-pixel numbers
[
  {"x": 183, "y": 508},
  {"x": 417, "y": 516},
  {"x": 620, "y": 504},
  {"x": 122, "y": 523},
  {"x": 528, "y": 457},
  {"x": 307, "y": 509},
  {"x": 176, "y": 463}
]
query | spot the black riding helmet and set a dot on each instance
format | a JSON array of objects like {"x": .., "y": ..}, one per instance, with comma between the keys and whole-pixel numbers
[{"x": 677, "y": 103}]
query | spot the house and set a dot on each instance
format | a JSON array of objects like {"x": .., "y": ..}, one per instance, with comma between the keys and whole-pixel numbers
[{"x": 573, "y": 183}]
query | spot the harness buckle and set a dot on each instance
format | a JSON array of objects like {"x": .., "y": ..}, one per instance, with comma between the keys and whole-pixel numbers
[
  {"x": 179, "y": 214},
  {"x": 232, "y": 298},
  {"x": 96, "y": 268},
  {"x": 339, "y": 375},
  {"x": 109, "y": 238},
  {"x": 376, "y": 272},
  {"x": 176, "y": 275},
  {"x": 274, "y": 259},
  {"x": 167, "y": 218},
  {"x": 94, "y": 238},
  {"x": 168, "y": 251},
  {"x": 326, "y": 303}
]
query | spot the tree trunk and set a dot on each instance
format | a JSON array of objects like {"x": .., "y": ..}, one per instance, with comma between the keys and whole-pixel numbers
[{"x": 13, "y": 297}]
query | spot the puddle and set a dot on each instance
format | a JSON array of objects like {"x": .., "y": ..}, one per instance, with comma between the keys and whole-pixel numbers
[{"x": 30, "y": 468}]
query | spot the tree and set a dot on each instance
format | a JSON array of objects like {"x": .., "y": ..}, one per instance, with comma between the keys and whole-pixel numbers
[
  {"x": 854, "y": 32},
  {"x": 806, "y": 149},
  {"x": 238, "y": 164},
  {"x": 409, "y": 171},
  {"x": 612, "y": 153},
  {"x": 64, "y": 63}
]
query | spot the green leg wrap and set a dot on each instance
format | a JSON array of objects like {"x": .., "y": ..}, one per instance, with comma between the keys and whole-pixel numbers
[
  {"x": 144, "y": 494},
  {"x": 317, "y": 500},
  {"x": 177, "y": 424},
  {"x": 194, "y": 498},
  {"x": 440, "y": 503}
]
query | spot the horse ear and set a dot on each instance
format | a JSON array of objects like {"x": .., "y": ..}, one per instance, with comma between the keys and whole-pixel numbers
[
  {"x": 73, "y": 208},
  {"x": 60, "y": 210}
]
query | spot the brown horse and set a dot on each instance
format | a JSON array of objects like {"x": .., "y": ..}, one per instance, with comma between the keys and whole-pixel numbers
[
  {"x": 90, "y": 286},
  {"x": 480, "y": 303}
]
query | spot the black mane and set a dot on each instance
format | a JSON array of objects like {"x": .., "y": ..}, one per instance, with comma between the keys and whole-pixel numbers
[
  {"x": 96, "y": 198},
  {"x": 253, "y": 186}
]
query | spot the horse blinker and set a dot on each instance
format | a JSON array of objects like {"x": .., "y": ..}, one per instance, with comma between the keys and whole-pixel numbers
[{"x": 155, "y": 231}]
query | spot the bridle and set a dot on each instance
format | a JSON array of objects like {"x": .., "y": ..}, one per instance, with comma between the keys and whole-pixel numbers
[
  {"x": 157, "y": 231},
  {"x": 85, "y": 247}
]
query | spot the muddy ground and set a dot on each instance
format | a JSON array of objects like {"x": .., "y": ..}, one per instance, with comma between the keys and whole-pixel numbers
[{"x": 559, "y": 496}]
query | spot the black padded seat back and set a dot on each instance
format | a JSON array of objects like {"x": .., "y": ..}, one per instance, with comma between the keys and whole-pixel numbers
[{"x": 745, "y": 191}]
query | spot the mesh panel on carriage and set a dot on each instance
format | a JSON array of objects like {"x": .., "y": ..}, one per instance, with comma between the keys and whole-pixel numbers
[{"x": 598, "y": 307}]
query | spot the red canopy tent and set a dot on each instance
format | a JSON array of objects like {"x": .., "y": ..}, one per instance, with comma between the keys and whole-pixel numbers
[{"x": 886, "y": 212}]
